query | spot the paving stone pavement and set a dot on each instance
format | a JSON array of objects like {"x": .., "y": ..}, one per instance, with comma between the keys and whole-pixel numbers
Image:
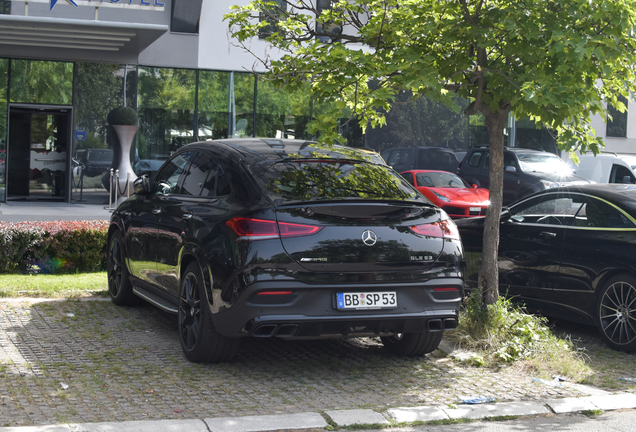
[{"x": 75, "y": 361}]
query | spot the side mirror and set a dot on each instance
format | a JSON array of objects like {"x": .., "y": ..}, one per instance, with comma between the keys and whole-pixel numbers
[
  {"x": 475, "y": 186},
  {"x": 628, "y": 180},
  {"x": 505, "y": 214},
  {"x": 511, "y": 169},
  {"x": 141, "y": 185}
]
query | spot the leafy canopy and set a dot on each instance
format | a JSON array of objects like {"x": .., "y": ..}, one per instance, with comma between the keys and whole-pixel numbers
[{"x": 557, "y": 61}]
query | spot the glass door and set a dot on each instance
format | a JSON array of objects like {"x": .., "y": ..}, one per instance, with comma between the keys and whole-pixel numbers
[{"x": 39, "y": 144}]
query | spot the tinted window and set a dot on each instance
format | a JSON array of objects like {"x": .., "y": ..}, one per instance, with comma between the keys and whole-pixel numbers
[
  {"x": 598, "y": 214},
  {"x": 486, "y": 161},
  {"x": 474, "y": 159},
  {"x": 408, "y": 177},
  {"x": 388, "y": 156},
  {"x": 314, "y": 179},
  {"x": 509, "y": 160},
  {"x": 209, "y": 187},
  {"x": 100, "y": 155},
  {"x": 619, "y": 173},
  {"x": 552, "y": 209},
  {"x": 166, "y": 181},
  {"x": 223, "y": 184},
  {"x": 196, "y": 175},
  {"x": 401, "y": 157},
  {"x": 433, "y": 159}
]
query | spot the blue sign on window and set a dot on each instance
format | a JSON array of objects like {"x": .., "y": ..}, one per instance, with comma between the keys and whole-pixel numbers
[{"x": 80, "y": 134}]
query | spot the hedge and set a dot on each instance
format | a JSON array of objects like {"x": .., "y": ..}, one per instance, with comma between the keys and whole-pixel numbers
[{"x": 53, "y": 247}]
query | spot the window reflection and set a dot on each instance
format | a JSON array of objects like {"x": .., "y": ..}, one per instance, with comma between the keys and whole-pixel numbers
[
  {"x": 314, "y": 179},
  {"x": 43, "y": 82},
  {"x": 213, "y": 105},
  {"x": 166, "y": 110}
]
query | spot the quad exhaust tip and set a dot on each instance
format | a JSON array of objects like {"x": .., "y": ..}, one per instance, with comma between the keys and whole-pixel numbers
[
  {"x": 435, "y": 325},
  {"x": 289, "y": 330},
  {"x": 275, "y": 330}
]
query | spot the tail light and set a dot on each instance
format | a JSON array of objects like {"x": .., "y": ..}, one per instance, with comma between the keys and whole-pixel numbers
[
  {"x": 261, "y": 229},
  {"x": 442, "y": 229},
  {"x": 450, "y": 229}
]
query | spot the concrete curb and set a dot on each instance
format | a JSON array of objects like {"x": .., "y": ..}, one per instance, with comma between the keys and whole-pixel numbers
[{"x": 358, "y": 417}]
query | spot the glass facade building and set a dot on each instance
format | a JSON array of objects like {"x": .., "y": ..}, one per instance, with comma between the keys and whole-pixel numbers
[
  {"x": 171, "y": 61},
  {"x": 175, "y": 107}
]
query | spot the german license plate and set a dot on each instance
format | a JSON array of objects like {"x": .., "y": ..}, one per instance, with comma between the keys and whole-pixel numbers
[
  {"x": 370, "y": 300},
  {"x": 475, "y": 209}
]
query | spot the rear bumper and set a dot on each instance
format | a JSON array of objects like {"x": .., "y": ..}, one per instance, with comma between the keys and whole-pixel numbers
[
  {"x": 310, "y": 311},
  {"x": 343, "y": 326}
]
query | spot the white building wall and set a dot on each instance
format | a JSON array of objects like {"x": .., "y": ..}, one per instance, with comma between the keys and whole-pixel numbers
[
  {"x": 216, "y": 50},
  {"x": 618, "y": 144}
]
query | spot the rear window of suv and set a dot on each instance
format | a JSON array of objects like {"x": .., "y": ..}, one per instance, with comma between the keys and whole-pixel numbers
[
  {"x": 100, "y": 155},
  {"x": 474, "y": 159},
  {"x": 330, "y": 179}
]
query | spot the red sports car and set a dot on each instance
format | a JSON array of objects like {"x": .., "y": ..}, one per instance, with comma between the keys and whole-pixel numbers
[{"x": 450, "y": 192}]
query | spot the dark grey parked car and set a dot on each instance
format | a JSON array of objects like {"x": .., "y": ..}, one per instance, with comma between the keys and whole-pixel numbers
[
  {"x": 95, "y": 161},
  {"x": 410, "y": 158},
  {"x": 526, "y": 171}
]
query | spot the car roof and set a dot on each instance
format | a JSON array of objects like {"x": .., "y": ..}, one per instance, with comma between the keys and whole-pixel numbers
[
  {"x": 616, "y": 193},
  {"x": 254, "y": 150}
]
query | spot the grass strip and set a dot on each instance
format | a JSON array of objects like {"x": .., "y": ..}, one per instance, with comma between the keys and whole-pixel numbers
[{"x": 54, "y": 286}]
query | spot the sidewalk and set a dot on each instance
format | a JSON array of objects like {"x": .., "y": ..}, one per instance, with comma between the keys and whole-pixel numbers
[{"x": 358, "y": 418}]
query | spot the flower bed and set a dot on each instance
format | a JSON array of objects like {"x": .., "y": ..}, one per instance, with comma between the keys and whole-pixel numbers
[{"x": 53, "y": 247}]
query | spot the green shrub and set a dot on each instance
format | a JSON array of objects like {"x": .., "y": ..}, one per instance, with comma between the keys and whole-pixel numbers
[
  {"x": 123, "y": 116},
  {"x": 506, "y": 333},
  {"x": 53, "y": 247},
  {"x": 17, "y": 244}
]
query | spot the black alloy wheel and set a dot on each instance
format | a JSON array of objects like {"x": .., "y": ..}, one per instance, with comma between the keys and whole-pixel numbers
[
  {"x": 412, "y": 344},
  {"x": 617, "y": 313},
  {"x": 200, "y": 342},
  {"x": 119, "y": 286}
]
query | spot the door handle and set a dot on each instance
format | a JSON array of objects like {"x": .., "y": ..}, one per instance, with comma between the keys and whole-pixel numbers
[
  {"x": 547, "y": 234},
  {"x": 156, "y": 211},
  {"x": 187, "y": 216}
]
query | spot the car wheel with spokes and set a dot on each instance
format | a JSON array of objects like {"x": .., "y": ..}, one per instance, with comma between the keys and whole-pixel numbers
[
  {"x": 119, "y": 286},
  {"x": 616, "y": 313},
  {"x": 201, "y": 343},
  {"x": 412, "y": 344}
]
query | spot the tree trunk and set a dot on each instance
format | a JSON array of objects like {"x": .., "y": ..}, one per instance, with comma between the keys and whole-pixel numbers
[{"x": 488, "y": 282}]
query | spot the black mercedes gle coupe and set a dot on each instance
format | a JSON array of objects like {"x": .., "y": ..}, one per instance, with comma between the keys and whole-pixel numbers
[{"x": 290, "y": 239}]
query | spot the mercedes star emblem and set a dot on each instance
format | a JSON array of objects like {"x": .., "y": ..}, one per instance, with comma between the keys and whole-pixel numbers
[{"x": 369, "y": 238}]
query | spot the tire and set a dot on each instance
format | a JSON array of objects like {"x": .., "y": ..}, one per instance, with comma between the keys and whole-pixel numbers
[
  {"x": 119, "y": 286},
  {"x": 412, "y": 344},
  {"x": 616, "y": 313},
  {"x": 200, "y": 342}
]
